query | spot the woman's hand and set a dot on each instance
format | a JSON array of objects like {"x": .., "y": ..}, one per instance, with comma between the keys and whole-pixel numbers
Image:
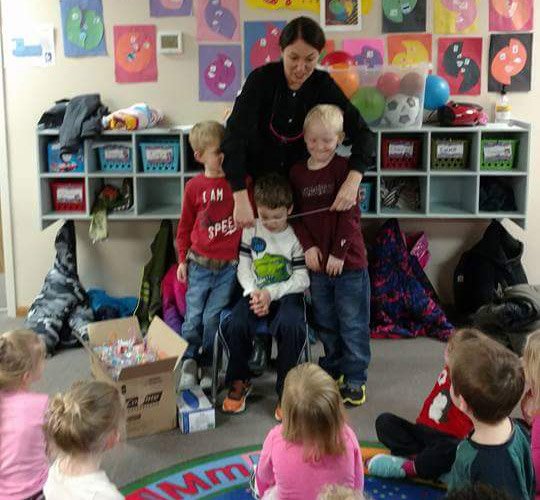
[
  {"x": 334, "y": 266},
  {"x": 347, "y": 196},
  {"x": 243, "y": 213},
  {"x": 313, "y": 258}
]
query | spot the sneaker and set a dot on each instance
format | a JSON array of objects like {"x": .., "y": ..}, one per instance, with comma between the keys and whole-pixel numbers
[
  {"x": 386, "y": 466},
  {"x": 277, "y": 413},
  {"x": 206, "y": 378},
  {"x": 258, "y": 360},
  {"x": 353, "y": 395},
  {"x": 235, "y": 402},
  {"x": 188, "y": 376}
]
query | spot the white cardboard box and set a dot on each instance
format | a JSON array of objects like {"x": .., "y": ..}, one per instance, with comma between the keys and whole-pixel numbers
[{"x": 195, "y": 413}]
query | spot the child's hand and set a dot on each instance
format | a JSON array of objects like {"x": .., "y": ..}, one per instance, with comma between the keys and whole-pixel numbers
[
  {"x": 334, "y": 266},
  {"x": 313, "y": 258},
  {"x": 181, "y": 272},
  {"x": 260, "y": 302}
]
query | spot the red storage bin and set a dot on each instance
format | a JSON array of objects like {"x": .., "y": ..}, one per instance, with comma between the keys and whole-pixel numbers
[
  {"x": 68, "y": 196},
  {"x": 399, "y": 153}
]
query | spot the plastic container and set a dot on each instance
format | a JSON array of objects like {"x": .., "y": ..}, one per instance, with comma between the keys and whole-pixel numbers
[
  {"x": 115, "y": 157},
  {"x": 390, "y": 96},
  {"x": 400, "y": 153},
  {"x": 498, "y": 154},
  {"x": 503, "y": 109},
  {"x": 365, "y": 196},
  {"x": 160, "y": 156},
  {"x": 69, "y": 163},
  {"x": 68, "y": 196},
  {"x": 449, "y": 154}
]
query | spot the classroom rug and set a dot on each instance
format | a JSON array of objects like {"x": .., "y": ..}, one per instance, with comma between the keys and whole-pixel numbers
[{"x": 225, "y": 476}]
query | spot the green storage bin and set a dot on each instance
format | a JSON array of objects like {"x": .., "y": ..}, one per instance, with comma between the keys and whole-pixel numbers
[
  {"x": 449, "y": 154},
  {"x": 498, "y": 154}
]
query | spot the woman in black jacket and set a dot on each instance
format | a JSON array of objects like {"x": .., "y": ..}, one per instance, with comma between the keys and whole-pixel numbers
[{"x": 265, "y": 130}]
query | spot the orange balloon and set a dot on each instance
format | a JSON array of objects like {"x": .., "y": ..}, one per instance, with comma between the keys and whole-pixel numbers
[{"x": 346, "y": 77}]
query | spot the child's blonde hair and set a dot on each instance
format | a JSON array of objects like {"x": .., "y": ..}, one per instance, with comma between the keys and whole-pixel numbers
[
  {"x": 21, "y": 352},
  {"x": 80, "y": 421},
  {"x": 531, "y": 366},
  {"x": 336, "y": 492},
  {"x": 313, "y": 412},
  {"x": 329, "y": 115},
  {"x": 206, "y": 134}
]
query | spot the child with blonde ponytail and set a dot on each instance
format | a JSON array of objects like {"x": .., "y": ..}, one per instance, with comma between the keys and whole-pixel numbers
[
  {"x": 81, "y": 426},
  {"x": 23, "y": 459}
]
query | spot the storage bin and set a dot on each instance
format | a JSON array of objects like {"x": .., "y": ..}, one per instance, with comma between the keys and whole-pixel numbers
[
  {"x": 68, "y": 196},
  {"x": 498, "y": 154},
  {"x": 160, "y": 156},
  {"x": 400, "y": 153},
  {"x": 115, "y": 157},
  {"x": 449, "y": 154},
  {"x": 70, "y": 163}
]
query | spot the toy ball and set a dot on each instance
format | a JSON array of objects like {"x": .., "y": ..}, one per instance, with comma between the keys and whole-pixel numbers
[
  {"x": 347, "y": 78},
  {"x": 370, "y": 102},
  {"x": 337, "y": 57},
  {"x": 412, "y": 84},
  {"x": 388, "y": 84},
  {"x": 402, "y": 110},
  {"x": 437, "y": 92}
]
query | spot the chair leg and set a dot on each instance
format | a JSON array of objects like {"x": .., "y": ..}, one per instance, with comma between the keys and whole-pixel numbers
[{"x": 216, "y": 362}]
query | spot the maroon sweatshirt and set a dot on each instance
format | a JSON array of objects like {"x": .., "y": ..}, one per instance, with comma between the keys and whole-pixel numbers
[{"x": 335, "y": 233}]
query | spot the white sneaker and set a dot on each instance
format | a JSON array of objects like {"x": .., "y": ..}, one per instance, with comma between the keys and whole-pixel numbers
[
  {"x": 188, "y": 376},
  {"x": 206, "y": 378}
]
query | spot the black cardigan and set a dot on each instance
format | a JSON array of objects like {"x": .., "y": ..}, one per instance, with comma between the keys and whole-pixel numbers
[{"x": 251, "y": 148}]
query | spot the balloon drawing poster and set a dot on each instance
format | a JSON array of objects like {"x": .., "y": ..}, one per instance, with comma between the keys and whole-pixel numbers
[
  {"x": 220, "y": 68},
  {"x": 510, "y": 62},
  {"x": 460, "y": 63}
]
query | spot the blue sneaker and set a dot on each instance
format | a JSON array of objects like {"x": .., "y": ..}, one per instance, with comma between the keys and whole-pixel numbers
[{"x": 387, "y": 466}]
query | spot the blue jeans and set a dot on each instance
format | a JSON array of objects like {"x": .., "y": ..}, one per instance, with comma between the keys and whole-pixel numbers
[
  {"x": 341, "y": 314},
  {"x": 208, "y": 293}
]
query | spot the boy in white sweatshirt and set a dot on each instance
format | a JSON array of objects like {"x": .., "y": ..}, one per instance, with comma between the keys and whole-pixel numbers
[{"x": 273, "y": 274}]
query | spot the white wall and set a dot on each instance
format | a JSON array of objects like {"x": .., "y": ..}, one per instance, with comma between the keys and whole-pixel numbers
[{"x": 116, "y": 265}]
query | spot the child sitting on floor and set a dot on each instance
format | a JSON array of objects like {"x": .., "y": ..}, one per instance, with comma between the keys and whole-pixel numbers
[
  {"x": 23, "y": 460},
  {"x": 427, "y": 448},
  {"x": 487, "y": 383},
  {"x": 314, "y": 447},
  {"x": 82, "y": 425}
]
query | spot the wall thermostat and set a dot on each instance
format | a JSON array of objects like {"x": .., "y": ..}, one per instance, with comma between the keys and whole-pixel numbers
[{"x": 170, "y": 42}]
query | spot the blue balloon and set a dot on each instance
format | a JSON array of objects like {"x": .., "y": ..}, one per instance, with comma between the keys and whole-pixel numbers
[{"x": 437, "y": 92}]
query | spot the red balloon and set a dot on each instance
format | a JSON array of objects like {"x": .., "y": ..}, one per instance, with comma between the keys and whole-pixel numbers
[
  {"x": 412, "y": 83},
  {"x": 388, "y": 84},
  {"x": 337, "y": 57}
]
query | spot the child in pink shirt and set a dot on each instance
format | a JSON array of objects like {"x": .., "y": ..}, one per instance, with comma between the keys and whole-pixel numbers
[
  {"x": 313, "y": 447},
  {"x": 23, "y": 460},
  {"x": 531, "y": 401}
]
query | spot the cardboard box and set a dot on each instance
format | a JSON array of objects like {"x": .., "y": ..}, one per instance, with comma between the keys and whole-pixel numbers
[
  {"x": 195, "y": 413},
  {"x": 149, "y": 389}
]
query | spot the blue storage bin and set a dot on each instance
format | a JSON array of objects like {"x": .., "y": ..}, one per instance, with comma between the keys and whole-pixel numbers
[
  {"x": 365, "y": 196},
  {"x": 160, "y": 156},
  {"x": 115, "y": 158},
  {"x": 70, "y": 163}
]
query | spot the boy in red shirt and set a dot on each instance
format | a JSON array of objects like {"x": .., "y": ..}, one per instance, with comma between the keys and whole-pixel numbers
[
  {"x": 427, "y": 448},
  {"x": 207, "y": 241}
]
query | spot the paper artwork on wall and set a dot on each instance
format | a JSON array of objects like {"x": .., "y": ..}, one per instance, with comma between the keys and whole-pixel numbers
[
  {"x": 367, "y": 52},
  {"x": 261, "y": 43},
  {"x": 83, "y": 28},
  {"x": 32, "y": 45},
  {"x": 135, "y": 53},
  {"x": 285, "y": 4},
  {"x": 408, "y": 50},
  {"x": 513, "y": 15},
  {"x": 220, "y": 68},
  {"x": 400, "y": 16},
  {"x": 510, "y": 62},
  {"x": 341, "y": 15},
  {"x": 460, "y": 63},
  {"x": 455, "y": 17},
  {"x": 165, "y": 8},
  {"x": 217, "y": 20}
]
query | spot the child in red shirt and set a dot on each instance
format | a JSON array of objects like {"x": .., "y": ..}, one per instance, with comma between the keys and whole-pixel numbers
[
  {"x": 207, "y": 241},
  {"x": 427, "y": 448}
]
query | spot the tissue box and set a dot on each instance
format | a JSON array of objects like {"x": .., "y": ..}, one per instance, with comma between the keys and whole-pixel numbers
[{"x": 195, "y": 413}]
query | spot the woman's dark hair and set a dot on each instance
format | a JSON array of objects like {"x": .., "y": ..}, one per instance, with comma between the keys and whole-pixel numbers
[{"x": 303, "y": 28}]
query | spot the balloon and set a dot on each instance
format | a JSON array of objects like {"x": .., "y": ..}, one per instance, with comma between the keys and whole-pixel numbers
[
  {"x": 337, "y": 57},
  {"x": 412, "y": 83},
  {"x": 370, "y": 102},
  {"x": 388, "y": 84},
  {"x": 346, "y": 78},
  {"x": 437, "y": 92}
]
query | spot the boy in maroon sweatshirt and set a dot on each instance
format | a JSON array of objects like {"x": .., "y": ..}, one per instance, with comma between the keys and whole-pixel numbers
[
  {"x": 208, "y": 242},
  {"x": 335, "y": 255}
]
